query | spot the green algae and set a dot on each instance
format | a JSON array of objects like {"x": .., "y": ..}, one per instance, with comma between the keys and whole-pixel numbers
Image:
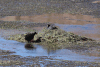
[
  {"x": 17, "y": 37},
  {"x": 56, "y": 38},
  {"x": 62, "y": 36}
]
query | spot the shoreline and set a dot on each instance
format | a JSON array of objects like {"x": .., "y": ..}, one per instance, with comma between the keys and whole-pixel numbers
[
  {"x": 33, "y": 7},
  {"x": 18, "y": 31},
  {"x": 9, "y": 59},
  {"x": 8, "y": 29}
]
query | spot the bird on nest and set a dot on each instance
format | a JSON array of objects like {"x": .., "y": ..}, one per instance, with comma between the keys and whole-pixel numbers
[
  {"x": 51, "y": 27},
  {"x": 30, "y": 37},
  {"x": 38, "y": 40}
]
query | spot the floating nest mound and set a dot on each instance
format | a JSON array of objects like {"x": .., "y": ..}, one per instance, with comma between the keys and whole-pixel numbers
[
  {"x": 59, "y": 35},
  {"x": 17, "y": 37},
  {"x": 58, "y": 38},
  {"x": 54, "y": 38}
]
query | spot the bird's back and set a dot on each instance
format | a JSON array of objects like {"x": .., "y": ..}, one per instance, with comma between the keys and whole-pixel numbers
[{"x": 30, "y": 36}]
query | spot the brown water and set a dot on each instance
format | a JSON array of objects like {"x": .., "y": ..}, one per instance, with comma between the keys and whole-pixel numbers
[
  {"x": 56, "y": 18},
  {"x": 83, "y": 25}
]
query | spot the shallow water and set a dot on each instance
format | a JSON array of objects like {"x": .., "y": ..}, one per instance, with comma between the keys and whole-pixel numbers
[
  {"x": 83, "y": 25},
  {"x": 63, "y": 54},
  {"x": 72, "y": 19},
  {"x": 88, "y": 30}
]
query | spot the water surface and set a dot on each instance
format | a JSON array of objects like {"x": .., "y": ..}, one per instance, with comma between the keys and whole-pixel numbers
[
  {"x": 72, "y": 19},
  {"x": 88, "y": 30},
  {"x": 83, "y": 25},
  {"x": 63, "y": 54}
]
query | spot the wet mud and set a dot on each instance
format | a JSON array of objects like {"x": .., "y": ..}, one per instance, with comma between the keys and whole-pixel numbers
[
  {"x": 76, "y": 23},
  {"x": 43, "y": 61},
  {"x": 11, "y": 59},
  {"x": 33, "y": 11}
]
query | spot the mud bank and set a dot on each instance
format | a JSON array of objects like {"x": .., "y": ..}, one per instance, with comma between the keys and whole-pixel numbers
[
  {"x": 33, "y": 7},
  {"x": 43, "y": 61},
  {"x": 6, "y": 59}
]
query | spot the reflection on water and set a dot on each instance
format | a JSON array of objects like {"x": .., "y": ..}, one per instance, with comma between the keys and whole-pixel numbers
[
  {"x": 84, "y": 25},
  {"x": 56, "y": 18},
  {"x": 79, "y": 24},
  {"x": 64, "y": 54},
  {"x": 88, "y": 30}
]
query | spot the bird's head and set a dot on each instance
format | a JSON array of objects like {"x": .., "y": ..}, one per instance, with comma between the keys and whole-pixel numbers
[{"x": 35, "y": 32}]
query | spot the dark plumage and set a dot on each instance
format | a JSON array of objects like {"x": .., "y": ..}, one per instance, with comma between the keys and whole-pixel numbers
[
  {"x": 48, "y": 25},
  {"x": 30, "y": 36},
  {"x": 51, "y": 27},
  {"x": 38, "y": 40}
]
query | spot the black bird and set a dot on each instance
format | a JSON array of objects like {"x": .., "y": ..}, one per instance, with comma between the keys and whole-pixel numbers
[
  {"x": 30, "y": 36},
  {"x": 51, "y": 27},
  {"x": 38, "y": 40}
]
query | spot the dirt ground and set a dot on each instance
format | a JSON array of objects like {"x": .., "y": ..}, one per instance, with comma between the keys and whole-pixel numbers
[
  {"x": 15, "y": 61},
  {"x": 9, "y": 59},
  {"x": 37, "y": 7}
]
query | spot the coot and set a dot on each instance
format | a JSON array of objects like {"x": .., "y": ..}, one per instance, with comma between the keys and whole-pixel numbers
[
  {"x": 30, "y": 36},
  {"x": 51, "y": 27},
  {"x": 38, "y": 40}
]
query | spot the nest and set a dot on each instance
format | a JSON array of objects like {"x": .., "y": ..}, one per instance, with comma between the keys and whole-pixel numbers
[
  {"x": 56, "y": 38},
  {"x": 59, "y": 35}
]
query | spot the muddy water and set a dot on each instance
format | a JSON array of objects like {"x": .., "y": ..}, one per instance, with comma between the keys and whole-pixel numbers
[
  {"x": 56, "y": 18},
  {"x": 63, "y": 54},
  {"x": 83, "y": 25}
]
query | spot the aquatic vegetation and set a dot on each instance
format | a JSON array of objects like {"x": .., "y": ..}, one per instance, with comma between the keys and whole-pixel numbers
[
  {"x": 55, "y": 38},
  {"x": 17, "y": 37},
  {"x": 61, "y": 36}
]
